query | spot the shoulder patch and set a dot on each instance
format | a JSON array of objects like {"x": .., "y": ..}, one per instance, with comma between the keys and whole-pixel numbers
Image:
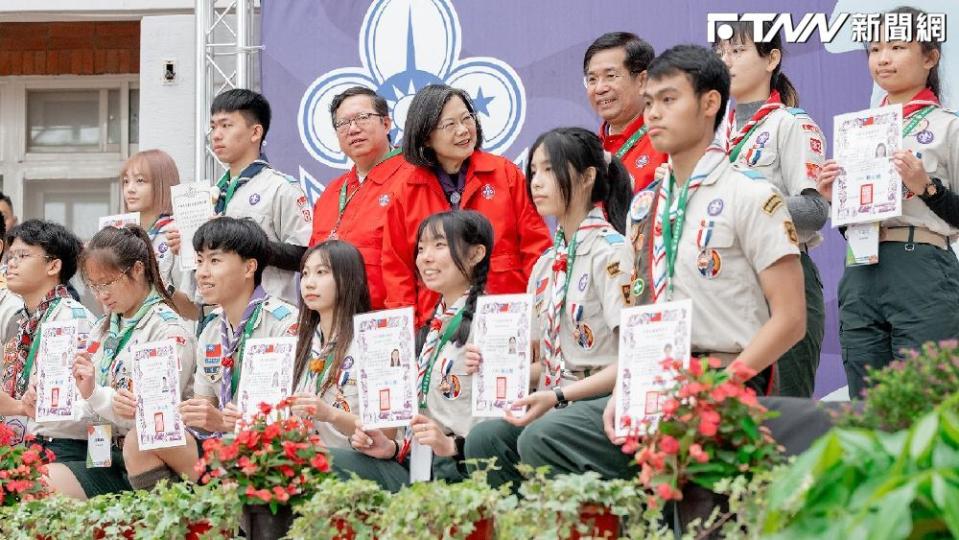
[
  {"x": 796, "y": 111},
  {"x": 752, "y": 174},
  {"x": 166, "y": 315},
  {"x": 613, "y": 238},
  {"x": 773, "y": 203},
  {"x": 290, "y": 179},
  {"x": 279, "y": 311},
  {"x": 78, "y": 312}
]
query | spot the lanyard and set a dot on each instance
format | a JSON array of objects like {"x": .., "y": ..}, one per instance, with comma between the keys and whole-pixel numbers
[
  {"x": 161, "y": 221},
  {"x": 346, "y": 197},
  {"x": 28, "y": 365},
  {"x": 570, "y": 258},
  {"x": 247, "y": 331},
  {"x": 671, "y": 236},
  {"x": 631, "y": 142},
  {"x": 916, "y": 118},
  {"x": 451, "y": 328}
]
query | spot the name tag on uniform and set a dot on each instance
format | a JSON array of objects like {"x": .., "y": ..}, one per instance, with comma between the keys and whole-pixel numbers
[
  {"x": 421, "y": 462},
  {"x": 862, "y": 247},
  {"x": 99, "y": 437}
]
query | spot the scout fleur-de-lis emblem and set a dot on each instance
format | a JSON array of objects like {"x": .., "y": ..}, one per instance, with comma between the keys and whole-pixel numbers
[{"x": 397, "y": 61}]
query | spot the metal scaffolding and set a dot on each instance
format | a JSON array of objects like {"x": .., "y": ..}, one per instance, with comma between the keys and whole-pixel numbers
[{"x": 225, "y": 46}]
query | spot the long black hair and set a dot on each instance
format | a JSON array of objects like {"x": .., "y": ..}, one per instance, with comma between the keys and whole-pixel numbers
[
  {"x": 463, "y": 229},
  {"x": 352, "y": 297},
  {"x": 582, "y": 149},
  {"x": 743, "y": 35},
  {"x": 120, "y": 249}
]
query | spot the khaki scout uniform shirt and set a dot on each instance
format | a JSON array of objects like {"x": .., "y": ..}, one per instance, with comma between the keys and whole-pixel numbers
[
  {"x": 788, "y": 149},
  {"x": 67, "y": 309},
  {"x": 277, "y": 203},
  {"x": 936, "y": 137},
  {"x": 276, "y": 319},
  {"x": 345, "y": 398},
  {"x": 736, "y": 226},
  {"x": 598, "y": 290},
  {"x": 10, "y": 308},
  {"x": 158, "y": 324}
]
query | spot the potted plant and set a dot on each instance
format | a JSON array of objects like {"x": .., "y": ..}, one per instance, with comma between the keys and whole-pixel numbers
[
  {"x": 711, "y": 429},
  {"x": 114, "y": 516},
  {"x": 463, "y": 510},
  {"x": 567, "y": 506},
  {"x": 22, "y": 469},
  {"x": 341, "y": 511},
  {"x": 274, "y": 464},
  {"x": 49, "y": 518},
  {"x": 191, "y": 511}
]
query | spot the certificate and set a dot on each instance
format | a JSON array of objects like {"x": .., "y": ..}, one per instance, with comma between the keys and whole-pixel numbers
[
  {"x": 119, "y": 220},
  {"x": 156, "y": 382},
  {"x": 56, "y": 387},
  {"x": 192, "y": 207},
  {"x": 387, "y": 367},
  {"x": 266, "y": 375},
  {"x": 649, "y": 336},
  {"x": 868, "y": 187},
  {"x": 502, "y": 332}
]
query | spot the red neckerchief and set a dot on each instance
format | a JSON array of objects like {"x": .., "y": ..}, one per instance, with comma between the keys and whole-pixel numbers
[
  {"x": 774, "y": 102},
  {"x": 920, "y": 101}
]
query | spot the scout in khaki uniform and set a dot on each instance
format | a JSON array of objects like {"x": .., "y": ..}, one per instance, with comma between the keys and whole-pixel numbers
[
  {"x": 334, "y": 289},
  {"x": 120, "y": 269},
  {"x": 709, "y": 233},
  {"x": 447, "y": 243},
  {"x": 579, "y": 287},
  {"x": 911, "y": 295},
  {"x": 251, "y": 188},
  {"x": 10, "y": 303},
  {"x": 767, "y": 133}
]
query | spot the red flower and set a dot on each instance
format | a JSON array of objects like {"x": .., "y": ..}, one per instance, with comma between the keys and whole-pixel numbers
[
  {"x": 696, "y": 452},
  {"x": 265, "y": 408},
  {"x": 247, "y": 467},
  {"x": 714, "y": 362},
  {"x": 262, "y": 494},
  {"x": 668, "y": 493},
  {"x": 741, "y": 372},
  {"x": 669, "y": 445},
  {"x": 670, "y": 407},
  {"x": 708, "y": 429},
  {"x": 281, "y": 494},
  {"x": 271, "y": 432},
  {"x": 227, "y": 362},
  {"x": 287, "y": 471}
]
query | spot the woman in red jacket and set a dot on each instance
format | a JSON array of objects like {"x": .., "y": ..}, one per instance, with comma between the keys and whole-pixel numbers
[{"x": 442, "y": 139}]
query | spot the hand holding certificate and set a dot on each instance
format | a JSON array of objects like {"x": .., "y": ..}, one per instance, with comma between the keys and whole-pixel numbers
[
  {"x": 387, "y": 367},
  {"x": 648, "y": 336},
  {"x": 119, "y": 220},
  {"x": 502, "y": 330},
  {"x": 192, "y": 207},
  {"x": 56, "y": 386},
  {"x": 266, "y": 375},
  {"x": 156, "y": 381},
  {"x": 868, "y": 188}
]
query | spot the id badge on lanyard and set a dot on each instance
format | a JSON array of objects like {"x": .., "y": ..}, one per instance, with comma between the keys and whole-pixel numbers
[
  {"x": 862, "y": 247},
  {"x": 99, "y": 439}
]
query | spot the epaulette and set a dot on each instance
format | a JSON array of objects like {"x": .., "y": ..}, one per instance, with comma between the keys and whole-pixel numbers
[
  {"x": 796, "y": 111},
  {"x": 279, "y": 311},
  {"x": 752, "y": 174},
  {"x": 613, "y": 237}
]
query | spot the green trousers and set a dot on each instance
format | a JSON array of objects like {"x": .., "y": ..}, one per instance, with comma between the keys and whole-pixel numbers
[
  {"x": 909, "y": 298},
  {"x": 569, "y": 440},
  {"x": 388, "y": 473},
  {"x": 797, "y": 368}
]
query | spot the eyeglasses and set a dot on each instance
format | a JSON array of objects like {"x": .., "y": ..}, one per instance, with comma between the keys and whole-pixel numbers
[
  {"x": 592, "y": 81},
  {"x": 449, "y": 127},
  {"x": 732, "y": 52},
  {"x": 100, "y": 288},
  {"x": 17, "y": 256},
  {"x": 363, "y": 121}
]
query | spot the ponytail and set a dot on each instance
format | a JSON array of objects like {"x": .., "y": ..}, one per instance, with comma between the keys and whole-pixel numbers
[
  {"x": 787, "y": 92},
  {"x": 613, "y": 189}
]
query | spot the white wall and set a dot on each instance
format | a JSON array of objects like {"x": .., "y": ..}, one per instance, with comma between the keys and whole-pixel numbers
[{"x": 167, "y": 110}]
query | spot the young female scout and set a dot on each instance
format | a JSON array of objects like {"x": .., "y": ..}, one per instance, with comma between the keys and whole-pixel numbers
[
  {"x": 580, "y": 285},
  {"x": 146, "y": 179},
  {"x": 910, "y": 296},
  {"x": 766, "y": 132},
  {"x": 121, "y": 270},
  {"x": 334, "y": 288},
  {"x": 453, "y": 260}
]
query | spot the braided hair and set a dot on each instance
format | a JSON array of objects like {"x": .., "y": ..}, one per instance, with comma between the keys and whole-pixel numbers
[
  {"x": 463, "y": 229},
  {"x": 120, "y": 249},
  {"x": 581, "y": 149}
]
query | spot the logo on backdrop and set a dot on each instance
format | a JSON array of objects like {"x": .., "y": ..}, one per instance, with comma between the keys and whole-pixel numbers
[{"x": 405, "y": 45}]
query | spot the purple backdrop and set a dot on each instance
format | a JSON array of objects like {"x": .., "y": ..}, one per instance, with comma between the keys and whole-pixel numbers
[{"x": 313, "y": 48}]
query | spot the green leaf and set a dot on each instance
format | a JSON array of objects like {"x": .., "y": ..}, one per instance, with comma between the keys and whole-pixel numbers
[
  {"x": 749, "y": 426},
  {"x": 893, "y": 518},
  {"x": 946, "y": 496},
  {"x": 922, "y": 435}
]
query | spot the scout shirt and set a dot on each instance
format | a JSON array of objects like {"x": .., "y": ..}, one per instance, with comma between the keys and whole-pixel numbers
[
  {"x": 640, "y": 158},
  {"x": 67, "y": 309},
  {"x": 598, "y": 290},
  {"x": 449, "y": 401},
  {"x": 788, "y": 149},
  {"x": 363, "y": 217},
  {"x": 158, "y": 324},
  {"x": 277, "y": 203},
  {"x": 936, "y": 139},
  {"x": 343, "y": 394},
  {"x": 11, "y": 306},
  {"x": 736, "y": 226},
  {"x": 167, "y": 262},
  {"x": 276, "y": 319},
  {"x": 494, "y": 187}
]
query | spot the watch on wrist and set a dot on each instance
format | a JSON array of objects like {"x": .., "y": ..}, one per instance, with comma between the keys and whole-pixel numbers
[{"x": 561, "y": 401}]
